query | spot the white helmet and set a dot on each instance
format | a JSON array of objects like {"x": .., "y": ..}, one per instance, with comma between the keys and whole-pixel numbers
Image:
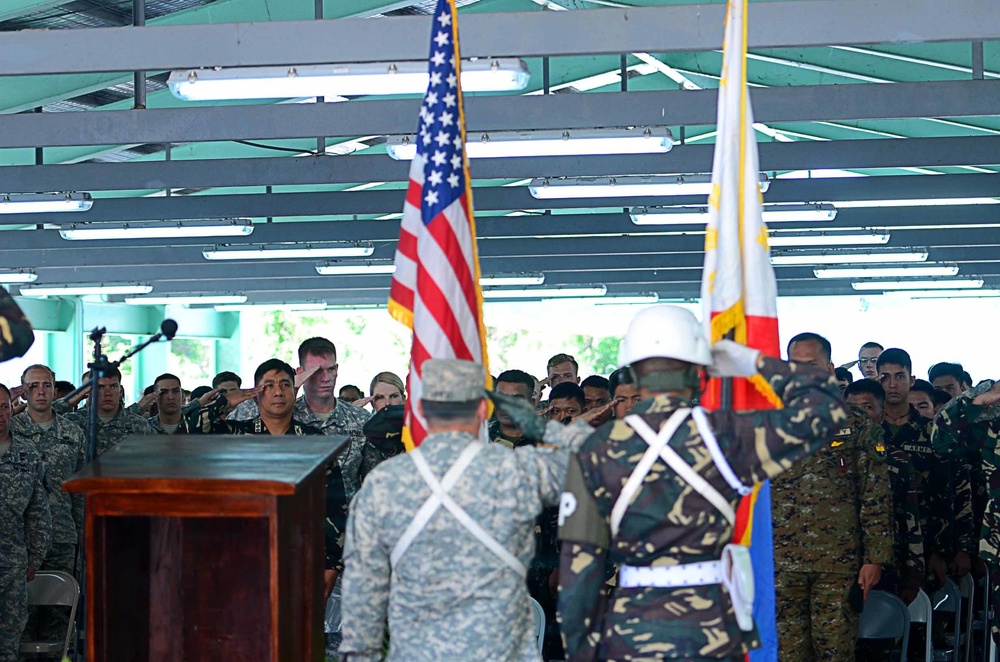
[{"x": 664, "y": 331}]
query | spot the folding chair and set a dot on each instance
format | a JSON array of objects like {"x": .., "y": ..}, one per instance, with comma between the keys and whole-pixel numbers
[
  {"x": 967, "y": 588},
  {"x": 921, "y": 612},
  {"x": 51, "y": 588},
  {"x": 981, "y": 621},
  {"x": 885, "y": 617},
  {"x": 539, "y": 623},
  {"x": 948, "y": 600}
]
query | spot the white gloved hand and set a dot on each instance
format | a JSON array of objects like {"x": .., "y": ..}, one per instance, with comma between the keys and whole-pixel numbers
[{"x": 731, "y": 359}]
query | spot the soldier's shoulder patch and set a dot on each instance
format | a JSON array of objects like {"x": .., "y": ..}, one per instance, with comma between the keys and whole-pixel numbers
[
  {"x": 880, "y": 448},
  {"x": 845, "y": 432}
]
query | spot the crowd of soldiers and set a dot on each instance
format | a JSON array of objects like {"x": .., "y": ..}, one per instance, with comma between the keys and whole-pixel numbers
[{"x": 611, "y": 501}]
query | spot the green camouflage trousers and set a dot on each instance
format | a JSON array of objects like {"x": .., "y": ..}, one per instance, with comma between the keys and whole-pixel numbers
[
  {"x": 13, "y": 611},
  {"x": 815, "y": 622}
]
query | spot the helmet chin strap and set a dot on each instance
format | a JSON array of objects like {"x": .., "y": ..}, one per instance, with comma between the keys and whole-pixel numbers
[{"x": 674, "y": 380}]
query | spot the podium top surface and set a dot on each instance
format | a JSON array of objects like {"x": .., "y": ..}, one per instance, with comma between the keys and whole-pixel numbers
[{"x": 239, "y": 464}]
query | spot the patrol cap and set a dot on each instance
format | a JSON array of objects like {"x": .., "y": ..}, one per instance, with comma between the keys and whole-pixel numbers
[
  {"x": 452, "y": 380},
  {"x": 385, "y": 429}
]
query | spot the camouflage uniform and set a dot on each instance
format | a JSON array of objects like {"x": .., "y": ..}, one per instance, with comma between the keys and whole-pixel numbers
[
  {"x": 830, "y": 514},
  {"x": 449, "y": 597},
  {"x": 25, "y": 534},
  {"x": 344, "y": 476},
  {"x": 62, "y": 449},
  {"x": 934, "y": 481},
  {"x": 207, "y": 421},
  {"x": 908, "y": 568},
  {"x": 498, "y": 437},
  {"x": 63, "y": 452},
  {"x": 157, "y": 427},
  {"x": 669, "y": 523},
  {"x": 16, "y": 335},
  {"x": 961, "y": 425},
  {"x": 112, "y": 433}
]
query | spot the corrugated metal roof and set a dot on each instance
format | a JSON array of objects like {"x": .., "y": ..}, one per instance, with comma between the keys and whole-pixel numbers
[{"x": 96, "y": 14}]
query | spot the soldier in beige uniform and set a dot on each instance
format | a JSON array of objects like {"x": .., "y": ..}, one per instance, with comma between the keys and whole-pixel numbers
[{"x": 439, "y": 539}]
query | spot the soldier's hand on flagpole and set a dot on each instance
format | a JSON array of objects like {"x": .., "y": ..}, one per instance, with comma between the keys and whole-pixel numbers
[{"x": 731, "y": 359}]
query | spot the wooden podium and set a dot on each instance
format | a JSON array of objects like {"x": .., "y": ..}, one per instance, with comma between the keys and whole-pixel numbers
[{"x": 206, "y": 548}]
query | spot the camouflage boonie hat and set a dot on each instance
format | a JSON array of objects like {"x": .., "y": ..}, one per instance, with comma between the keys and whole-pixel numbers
[{"x": 452, "y": 380}]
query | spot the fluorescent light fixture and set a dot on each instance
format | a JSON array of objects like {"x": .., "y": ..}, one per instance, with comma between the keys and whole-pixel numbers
[
  {"x": 287, "y": 251},
  {"x": 635, "y": 140},
  {"x": 186, "y": 300},
  {"x": 953, "y": 284},
  {"x": 697, "y": 215},
  {"x": 80, "y": 289},
  {"x": 806, "y": 258},
  {"x": 547, "y": 293},
  {"x": 946, "y": 294},
  {"x": 17, "y": 276},
  {"x": 362, "y": 269},
  {"x": 40, "y": 203},
  {"x": 922, "y": 202},
  {"x": 355, "y": 306},
  {"x": 343, "y": 80},
  {"x": 291, "y": 307},
  {"x": 512, "y": 280},
  {"x": 816, "y": 239},
  {"x": 235, "y": 227},
  {"x": 923, "y": 271},
  {"x": 629, "y": 299},
  {"x": 626, "y": 186}
]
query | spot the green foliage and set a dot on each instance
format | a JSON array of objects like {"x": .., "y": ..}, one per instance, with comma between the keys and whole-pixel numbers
[
  {"x": 194, "y": 360},
  {"x": 500, "y": 345},
  {"x": 600, "y": 353}
]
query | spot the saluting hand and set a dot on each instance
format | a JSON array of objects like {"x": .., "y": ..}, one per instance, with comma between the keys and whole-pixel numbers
[
  {"x": 303, "y": 376},
  {"x": 238, "y": 395},
  {"x": 363, "y": 401},
  {"x": 596, "y": 416},
  {"x": 991, "y": 397}
]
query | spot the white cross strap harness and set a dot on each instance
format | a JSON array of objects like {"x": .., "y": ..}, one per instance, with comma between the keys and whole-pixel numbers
[
  {"x": 439, "y": 497},
  {"x": 733, "y": 569}
]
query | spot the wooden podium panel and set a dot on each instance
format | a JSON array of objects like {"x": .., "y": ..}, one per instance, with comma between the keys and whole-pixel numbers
[{"x": 206, "y": 548}]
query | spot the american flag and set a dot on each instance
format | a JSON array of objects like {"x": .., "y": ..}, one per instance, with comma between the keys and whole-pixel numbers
[{"x": 435, "y": 289}]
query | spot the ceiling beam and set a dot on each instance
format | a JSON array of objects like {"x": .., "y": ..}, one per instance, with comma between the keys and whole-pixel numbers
[
  {"x": 283, "y": 171},
  {"x": 86, "y": 262},
  {"x": 553, "y": 111},
  {"x": 341, "y": 203},
  {"x": 680, "y": 28},
  {"x": 972, "y": 260},
  {"x": 920, "y": 221}
]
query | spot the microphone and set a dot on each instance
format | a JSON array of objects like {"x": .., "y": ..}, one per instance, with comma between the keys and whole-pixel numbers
[{"x": 169, "y": 329}]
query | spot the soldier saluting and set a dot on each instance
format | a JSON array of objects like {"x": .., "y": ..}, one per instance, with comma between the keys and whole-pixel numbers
[{"x": 656, "y": 492}]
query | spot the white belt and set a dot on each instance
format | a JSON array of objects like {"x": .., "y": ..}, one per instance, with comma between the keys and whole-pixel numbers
[{"x": 675, "y": 576}]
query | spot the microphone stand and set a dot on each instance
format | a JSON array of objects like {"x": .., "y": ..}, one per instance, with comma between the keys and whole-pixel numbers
[{"x": 100, "y": 368}]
